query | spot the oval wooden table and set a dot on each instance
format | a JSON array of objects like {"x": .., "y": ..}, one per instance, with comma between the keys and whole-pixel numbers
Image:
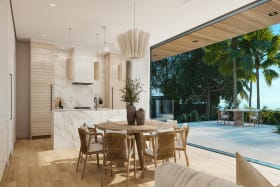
[{"x": 137, "y": 130}]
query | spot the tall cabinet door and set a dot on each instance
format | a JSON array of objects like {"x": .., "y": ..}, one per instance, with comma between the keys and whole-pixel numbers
[
  {"x": 42, "y": 78},
  {"x": 114, "y": 76}
]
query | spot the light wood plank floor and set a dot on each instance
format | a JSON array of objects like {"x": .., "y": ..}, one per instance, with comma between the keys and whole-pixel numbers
[{"x": 33, "y": 163}]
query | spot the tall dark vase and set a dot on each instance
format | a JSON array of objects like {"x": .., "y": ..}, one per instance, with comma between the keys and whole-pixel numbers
[
  {"x": 140, "y": 116},
  {"x": 131, "y": 114}
]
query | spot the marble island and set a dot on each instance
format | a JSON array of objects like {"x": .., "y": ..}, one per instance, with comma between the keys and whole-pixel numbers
[{"x": 67, "y": 121}]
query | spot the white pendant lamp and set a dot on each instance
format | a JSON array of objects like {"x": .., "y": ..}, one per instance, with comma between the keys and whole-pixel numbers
[{"x": 135, "y": 42}]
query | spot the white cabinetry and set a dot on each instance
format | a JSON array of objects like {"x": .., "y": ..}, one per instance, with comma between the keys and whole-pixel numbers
[
  {"x": 42, "y": 78},
  {"x": 112, "y": 82},
  {"x": 3, "y": 145}
]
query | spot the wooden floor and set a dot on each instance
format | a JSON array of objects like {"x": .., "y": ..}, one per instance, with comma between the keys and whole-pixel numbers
[{"x": 33, "y": 163}]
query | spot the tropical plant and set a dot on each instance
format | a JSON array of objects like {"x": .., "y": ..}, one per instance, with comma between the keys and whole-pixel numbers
[
  {"x": 264, "y": 51},
  {"x": 131, "y": 91},
  {"x": 230, "y": 57}
]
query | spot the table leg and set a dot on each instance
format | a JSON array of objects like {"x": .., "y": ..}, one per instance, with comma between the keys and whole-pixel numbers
[
  {"x": 139, "y": 143},
  {"x": 238, "y": 118}
]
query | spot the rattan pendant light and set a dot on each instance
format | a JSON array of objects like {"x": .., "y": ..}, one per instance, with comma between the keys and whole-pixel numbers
[{"x": 135, "y": 42}]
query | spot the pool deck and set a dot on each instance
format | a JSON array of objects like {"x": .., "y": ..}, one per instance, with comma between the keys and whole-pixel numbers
[{"x": 258, "y": 143}]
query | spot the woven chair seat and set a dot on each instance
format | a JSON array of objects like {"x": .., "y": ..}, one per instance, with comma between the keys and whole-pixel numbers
[
  {"x": 149, "y": 152},
  {"x": 179, "y": 145},
  {"x": 96, "y": 147}
]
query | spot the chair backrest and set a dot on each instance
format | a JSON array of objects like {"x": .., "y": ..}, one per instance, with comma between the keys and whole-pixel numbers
[
  {"x": 165, "y": 145},
  {"x": 83, "y": 139},
  {"x": 116, "y": 148},
  {"x": 187, "y": 130},
  {"x": 172, "y": 122}
]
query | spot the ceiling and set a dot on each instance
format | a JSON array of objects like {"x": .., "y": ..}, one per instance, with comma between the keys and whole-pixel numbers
[
  {"x": 37, "y": 20},
  {"x": 242, "y": 23}
]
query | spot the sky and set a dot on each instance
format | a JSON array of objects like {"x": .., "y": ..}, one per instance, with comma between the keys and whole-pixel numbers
[{"x": 269, "y": 96}]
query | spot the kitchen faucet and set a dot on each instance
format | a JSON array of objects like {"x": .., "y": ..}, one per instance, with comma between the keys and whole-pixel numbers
[{"x": 95, "y": 103}]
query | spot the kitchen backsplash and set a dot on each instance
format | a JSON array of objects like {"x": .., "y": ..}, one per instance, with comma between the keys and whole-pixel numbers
[{"x": 75, "y": 95}]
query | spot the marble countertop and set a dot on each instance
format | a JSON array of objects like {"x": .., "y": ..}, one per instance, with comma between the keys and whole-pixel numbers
[{"x": 72, "y": 109}]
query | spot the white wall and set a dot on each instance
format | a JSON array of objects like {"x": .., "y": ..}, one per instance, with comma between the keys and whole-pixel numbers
[
  {"x": 7, "y": 66},
  {"x": 4, "y": 98},
  {"x": 141, "y": 70}
]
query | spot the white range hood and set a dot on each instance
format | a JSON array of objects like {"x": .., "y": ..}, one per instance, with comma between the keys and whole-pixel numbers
[{"x": 80, "y": 69}]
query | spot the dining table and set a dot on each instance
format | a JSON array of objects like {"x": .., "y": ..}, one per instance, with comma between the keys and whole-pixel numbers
[
  {"x": 239, "y": 115},
  {"x": 136, "y": 130}
]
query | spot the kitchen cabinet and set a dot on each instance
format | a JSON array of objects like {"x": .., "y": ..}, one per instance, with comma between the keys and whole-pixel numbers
[
  {"x": 3, "y": 145},
  {"x": 42, "y": 79},
  {"x": 114, "y": 74}
]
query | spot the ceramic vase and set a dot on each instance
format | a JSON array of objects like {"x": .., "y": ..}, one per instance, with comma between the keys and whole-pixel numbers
[
  {"x": 130, "y": 114},
  {"x": 140, "y": 116}
]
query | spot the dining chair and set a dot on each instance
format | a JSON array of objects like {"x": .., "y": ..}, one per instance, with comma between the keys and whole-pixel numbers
[
  {"x": 88, "y": 146},
  {"x": 117, "y": 149},
  {"x": 255, "y": 118},
  {"x": 163, "y": 147},
  {"x": 181, "y": 143},
  {"x": 223, "y": 116}
]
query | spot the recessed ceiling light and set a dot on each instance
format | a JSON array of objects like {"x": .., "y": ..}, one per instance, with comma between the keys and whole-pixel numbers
[
  {"x": 52, "y": 5},
  {"x": 44, "y": 35},
  {"x": 273, "y": 13},
  {"x": 194, "y": 41}
]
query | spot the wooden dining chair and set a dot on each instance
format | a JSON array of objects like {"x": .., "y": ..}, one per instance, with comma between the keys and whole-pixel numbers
[
  {"x": 117, "y": 149},
  {"x": 88, "y": 146},
  {"x": 163, "y": 147},
  {"x": 181, "y": 143}
]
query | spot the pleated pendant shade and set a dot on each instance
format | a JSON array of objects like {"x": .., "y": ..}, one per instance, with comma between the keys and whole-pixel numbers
[{"x": 134, "y": 43}]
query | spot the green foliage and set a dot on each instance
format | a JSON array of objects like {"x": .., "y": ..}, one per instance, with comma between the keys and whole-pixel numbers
[
  {"x": 131, "y": 91},
  {"x": 194, "y": 115},
  {"x": 204, "y": 117},
  {"x": 191, "y": 117},
  {"x": 270, "y": 117},
  {"x": 182, "y": 118}
]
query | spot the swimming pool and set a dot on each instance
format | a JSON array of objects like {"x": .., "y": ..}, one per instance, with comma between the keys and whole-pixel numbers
[{"x": 259, "y": 144}]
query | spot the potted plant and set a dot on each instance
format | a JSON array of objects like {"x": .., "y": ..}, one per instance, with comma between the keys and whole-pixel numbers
[
  {"x": 131, "y": 94},
  {"x": 100, "y": 102}
]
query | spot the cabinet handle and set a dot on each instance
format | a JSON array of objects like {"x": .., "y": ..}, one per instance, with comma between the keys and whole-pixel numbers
[{"x": 51, "y": 97}]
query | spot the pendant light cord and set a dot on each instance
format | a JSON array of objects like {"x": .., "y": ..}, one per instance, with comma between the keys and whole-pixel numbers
[
  {"x": 134, "y": 1},
  {"x": 97, "y": 47},
  {"x": 69, "y": 37}
]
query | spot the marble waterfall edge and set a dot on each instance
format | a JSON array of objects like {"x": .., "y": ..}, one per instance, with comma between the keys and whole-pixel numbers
[{"x": 66, "y": 124}]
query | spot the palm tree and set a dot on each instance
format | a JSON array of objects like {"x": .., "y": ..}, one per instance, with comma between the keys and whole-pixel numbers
[
  {"x": 264, "y": 50},
  {"x": 229, "y": 55}
]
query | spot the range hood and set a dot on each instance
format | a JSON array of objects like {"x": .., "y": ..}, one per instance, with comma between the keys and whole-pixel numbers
[
  {"x": 82, "y": 83},
  {"x": 80, "y": 67}
]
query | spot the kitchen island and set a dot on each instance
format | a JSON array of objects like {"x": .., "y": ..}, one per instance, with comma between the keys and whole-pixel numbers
[{"x": 67, "y": 121}]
